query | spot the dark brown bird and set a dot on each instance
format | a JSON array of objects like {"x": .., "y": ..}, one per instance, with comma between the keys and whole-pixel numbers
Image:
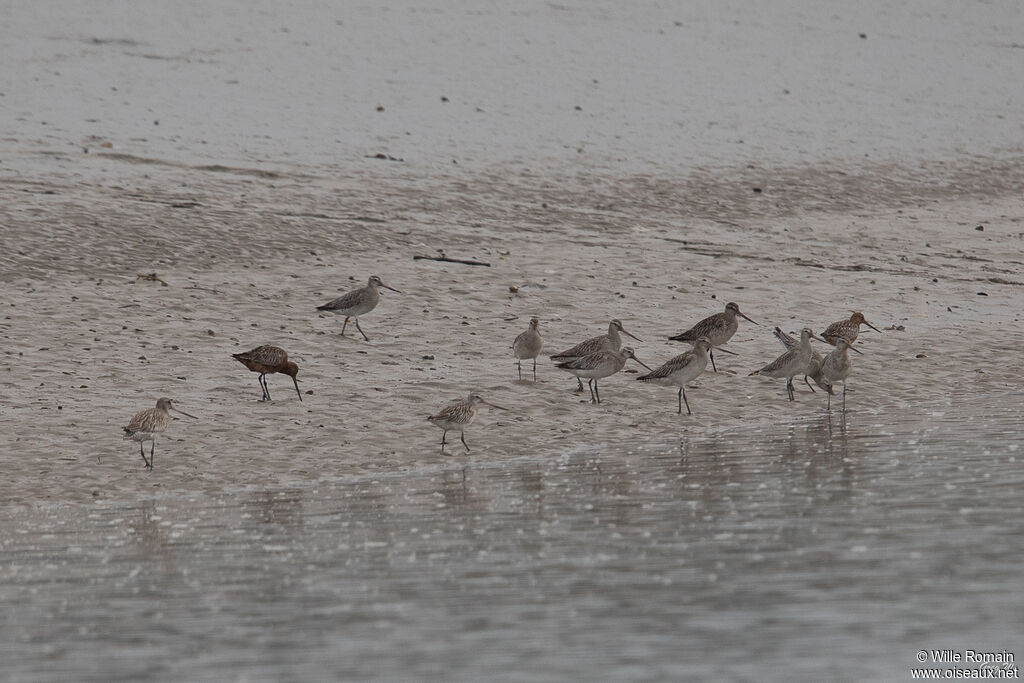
[{"x": 267, "y": 360}]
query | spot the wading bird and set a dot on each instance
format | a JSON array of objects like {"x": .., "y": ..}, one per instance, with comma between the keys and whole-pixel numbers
[
  {"x": 148, "y": 423},
  {"x": 268, "y": 360},
  {"x": 355, "y": 304},
  {"x": 528, "y": 345},
  {"x": 598, "y": 366},
  {"x": 718, "y": 328},
  {"x": 846, "y": 329},
  {"x": 456, "y": 416},
  {"x": 791, "y": 363},
  {"x": 683, "y": 369}
]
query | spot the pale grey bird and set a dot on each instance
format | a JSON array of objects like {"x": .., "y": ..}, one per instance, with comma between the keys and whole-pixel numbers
[
  {"x": 356, "y": 303},
  {"x": 836, "y": 367},
  {"x": 683, "y": 369},
  {"x": 719, "y": 328},
  {"x": 456, "y": 416},
  {"x": 528, "y": 345},
  {"x": 598, "y": 366},
  {"x": 793, "y": 362},
  {"x": 145, "y": 425},
  {"x": 605, "y": 342},
  {"x": 813, "y": 366}
]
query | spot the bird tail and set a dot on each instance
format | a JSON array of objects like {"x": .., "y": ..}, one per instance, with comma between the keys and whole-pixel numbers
[
  {"x": 755, "y": 372},
  {"x": 325, "y": 307},
  {"x": 682, "y": 337}
]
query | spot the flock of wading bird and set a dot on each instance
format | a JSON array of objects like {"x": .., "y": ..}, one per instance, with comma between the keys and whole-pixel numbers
[{"x": 593, "y": 359}]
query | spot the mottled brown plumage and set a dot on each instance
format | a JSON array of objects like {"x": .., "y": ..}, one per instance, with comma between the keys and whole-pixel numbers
[
  {"x": 268, "y": 360},
  {"x": 457, "y": 416},
  {"x": 146, "y": 424},
  {"x": 846, "y": 329}
]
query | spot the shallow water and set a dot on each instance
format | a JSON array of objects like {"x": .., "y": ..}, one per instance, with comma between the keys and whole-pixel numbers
[{"x": 809, "y": 550}]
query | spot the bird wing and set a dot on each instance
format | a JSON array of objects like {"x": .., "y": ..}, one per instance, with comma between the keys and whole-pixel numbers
[
  {"x": 453, "y": 412},
  {"x": 780, "y": 361},
  {"x": 837, "y": 330},
  {"x": 704, "y": 328},
  {"x": 268, "y": 355},
  {"x": 670, "y": 366},
  {"x": 584, "y": 348},
  {"x": 787, "y": 341},
  {"x": 342, "y": 302},
  {"x": 142, "y": 421}
]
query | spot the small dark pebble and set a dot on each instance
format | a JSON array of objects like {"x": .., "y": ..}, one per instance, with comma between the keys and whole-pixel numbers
[
  {"x": 982, "y": 294},
  {"x": 863, "y": 36},
  {"x": 980, "y": 228},
  {"x": 443, "y": 98},
  {"x": 713, "y": 296},
  {"x": 380, "y": 107},
  {"x": 757, "y": 190},
  {"x": 935, "y": 279},
  {"x": 578, "y": 108},
  {"x": 428, "y": 357},
  {"x": 920, "y": 355}
]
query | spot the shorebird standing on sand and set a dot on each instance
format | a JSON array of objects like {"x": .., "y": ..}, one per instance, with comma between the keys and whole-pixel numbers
[
  {"x": 528, "y": 345},
  {"x": 718, "y": 328},
  {"x": 598, "y": 366},
  {"x": 148, "y": 423},
  {"x": 605, "y": 342},
  {"x": 267, "y": 360},
  {"x": 813, "y": 366},
  {"x": 356, "y": 303},
  {"x": 456, "y": 416},
  {"x": 836, "y": 367},
  {"x": 791, "y": 363},
  {"x": 847, "y": 329},
  {"x": 683, "y": 369}
]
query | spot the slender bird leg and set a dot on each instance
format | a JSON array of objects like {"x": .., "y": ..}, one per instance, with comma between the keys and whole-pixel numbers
[
  {"x": 712, "y": 354},
  {"x": 809, "y": 385},
  {"x": 679, "y": 398},
  {"x": 534, "y": 370},
  {"x": 519, "y": 368},
  {"x": 683, "y": 392},
  {"x": 597, "y": 392},
  {"x": 590, "y": 385},
  {"x": 344, "y": 326},
  {"x": 265, "y": 387},
  {"x": 443, "y": 436},
  {"x": 361, "y": 330},
  {"x": 789, "y": 388},
  {"x": 844, "y": 397},
  {"x": 579, "y": 389},
  {"x": 829, "y": 408},
  {"x": 463, "y": 437},
  {"x": 142, "y": 452},
  {"x": 152, "y": 450}
]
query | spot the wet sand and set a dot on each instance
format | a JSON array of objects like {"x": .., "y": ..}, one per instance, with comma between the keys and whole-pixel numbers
[
  {"x": 319, "y": 539},
  {"x": 247, "y": 260}
]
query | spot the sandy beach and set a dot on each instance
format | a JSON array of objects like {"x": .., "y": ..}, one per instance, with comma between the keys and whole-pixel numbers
[{"x": 649, "y": 164}]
